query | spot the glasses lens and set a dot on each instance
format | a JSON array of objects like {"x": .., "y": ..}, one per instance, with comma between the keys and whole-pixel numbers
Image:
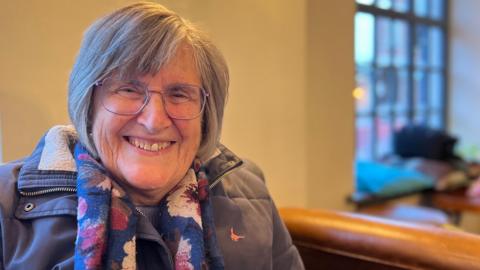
[
  {"x": 123, "y": 97},
  {"x": 184, "y": 101}
]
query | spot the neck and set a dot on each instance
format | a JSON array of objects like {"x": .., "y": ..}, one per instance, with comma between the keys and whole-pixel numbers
[{"x": 145, "y": 197}]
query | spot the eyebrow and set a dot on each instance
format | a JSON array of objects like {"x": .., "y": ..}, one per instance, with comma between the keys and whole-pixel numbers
[{"x": 138, "y": 82}]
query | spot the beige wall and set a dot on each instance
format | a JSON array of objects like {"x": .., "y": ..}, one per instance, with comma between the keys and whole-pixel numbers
[
  {"x": 464, "y": 86},
  {"x": 290, "y": 106},
  {"x": 464, "y": 72},
  {"x": 330, "y": 106},
  {"x": 38, "y": 43}
]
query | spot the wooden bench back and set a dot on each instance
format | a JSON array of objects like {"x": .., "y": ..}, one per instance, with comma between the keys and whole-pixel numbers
[{"x": 337, "y": 240}]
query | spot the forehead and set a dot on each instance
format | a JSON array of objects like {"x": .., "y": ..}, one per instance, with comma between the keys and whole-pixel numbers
[{"x": 180, "y": 68}]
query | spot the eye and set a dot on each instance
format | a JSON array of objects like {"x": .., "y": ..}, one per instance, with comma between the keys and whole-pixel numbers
[
  {"x": 129, "y": 91},
  {"x": 179, "y": 94}
]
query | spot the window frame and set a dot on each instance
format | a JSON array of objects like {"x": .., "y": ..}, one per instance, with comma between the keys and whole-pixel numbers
[{"x": 412, "y": 21}]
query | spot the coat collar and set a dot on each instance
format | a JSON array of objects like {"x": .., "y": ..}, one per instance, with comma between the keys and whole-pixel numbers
[{"x": 52, "y": 165}]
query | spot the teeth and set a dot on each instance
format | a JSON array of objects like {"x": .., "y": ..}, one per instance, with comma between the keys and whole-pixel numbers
[{"x": 147, "y": 146}]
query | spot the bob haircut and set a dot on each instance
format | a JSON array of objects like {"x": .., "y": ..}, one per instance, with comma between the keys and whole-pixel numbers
[{"x": 138, "y": 40}]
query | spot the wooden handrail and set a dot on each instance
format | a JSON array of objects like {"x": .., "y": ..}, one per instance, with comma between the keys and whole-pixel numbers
[{"x": 398, "y": 244}]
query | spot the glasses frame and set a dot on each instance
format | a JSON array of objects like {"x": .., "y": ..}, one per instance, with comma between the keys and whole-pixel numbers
[{"x": 149, "y": 92}]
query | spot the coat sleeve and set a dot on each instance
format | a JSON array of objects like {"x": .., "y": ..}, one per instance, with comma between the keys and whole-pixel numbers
[
  {"x": 285, "y": 254},
  {"x": 1, "y": 249}
]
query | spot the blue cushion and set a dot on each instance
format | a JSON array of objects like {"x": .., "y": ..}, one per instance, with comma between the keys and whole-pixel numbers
[{"x": 386, "y": 180}]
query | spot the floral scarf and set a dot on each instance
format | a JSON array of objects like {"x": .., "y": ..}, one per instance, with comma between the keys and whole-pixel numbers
[{"x": 107, "y": 221}]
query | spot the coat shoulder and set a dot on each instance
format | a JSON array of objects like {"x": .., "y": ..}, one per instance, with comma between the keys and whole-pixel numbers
[
  {"x": 247, "y": 182},
  {"x": 8, "y": 186}
]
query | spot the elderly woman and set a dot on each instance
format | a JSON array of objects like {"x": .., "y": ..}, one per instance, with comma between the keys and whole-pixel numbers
[{"x": 140, "y": 180}]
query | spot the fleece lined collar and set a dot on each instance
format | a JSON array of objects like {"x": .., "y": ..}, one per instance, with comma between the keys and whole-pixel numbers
[{"x": 52, "y": 164}]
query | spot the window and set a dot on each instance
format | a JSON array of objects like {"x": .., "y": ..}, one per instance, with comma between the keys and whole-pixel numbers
[{"x": 401, "y": 70}]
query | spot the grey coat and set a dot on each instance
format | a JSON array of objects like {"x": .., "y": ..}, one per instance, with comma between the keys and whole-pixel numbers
[{"x": 38, "y": 219}]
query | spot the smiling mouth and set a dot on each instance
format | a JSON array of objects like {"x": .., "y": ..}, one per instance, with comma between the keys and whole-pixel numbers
[{"x": 149, "y": 146}]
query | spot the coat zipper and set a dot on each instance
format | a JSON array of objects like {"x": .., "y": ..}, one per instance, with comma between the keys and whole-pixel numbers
[
  {"x": 46, "y": 191},
  {"x": 227, "y": 172}
]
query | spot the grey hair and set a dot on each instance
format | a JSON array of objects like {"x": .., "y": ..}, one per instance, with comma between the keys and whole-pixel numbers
[{"x": 137, "y": 40}]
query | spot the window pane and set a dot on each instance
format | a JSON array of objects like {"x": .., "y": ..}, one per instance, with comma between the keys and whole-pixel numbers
[
  {"x": 400, "y": 122},
  {"x": 420, "y": 90},
  {"x": 365, "y": 2},
  {"x": 436, "y": 47},
  {"x": 436, "y": 92},
  {"x": 364, "y": 29},
  {"x": 420, "y": 7},
  {"x": 400, "y": 43},
  {"x": 383, "y": 40},
  {"x": 420, "y": 118},
  {"x": 384, "y": 136},
  {"x": 364, "y": 136},
  {"x": 421, "y": 45},
  {"x": 385, "y": 89},
  {"x": 384, "y": 4},
  {"x": 437, "y": 9},
  {"x": 436, "y": 120},
  {"x": 363, "y": 92},
  {"x": 401, "y": 97},
  {"x": 401, "y": 5}
]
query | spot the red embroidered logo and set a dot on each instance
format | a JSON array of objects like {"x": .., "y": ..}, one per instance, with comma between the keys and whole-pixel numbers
[{"x": 235, "y": 237}]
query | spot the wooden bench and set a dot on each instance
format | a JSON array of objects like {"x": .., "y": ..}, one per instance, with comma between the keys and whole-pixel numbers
[
  {"x": 409, "y": 213},
  {"x": 338, "y": 240}
]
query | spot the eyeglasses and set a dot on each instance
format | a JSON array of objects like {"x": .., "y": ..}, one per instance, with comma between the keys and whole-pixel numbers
[{"x": 181, "y": 101}]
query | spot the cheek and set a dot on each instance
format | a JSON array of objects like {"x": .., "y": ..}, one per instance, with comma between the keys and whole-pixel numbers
[
  {"x": 191, "y": 133},
  {"x": 104, "y": 130},
  {"x": 101, "y": 140},
  {"x": 98, "y": 127}
]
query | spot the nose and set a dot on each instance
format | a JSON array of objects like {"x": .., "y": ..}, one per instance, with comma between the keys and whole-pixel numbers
[{"x": 154, "y": 117}]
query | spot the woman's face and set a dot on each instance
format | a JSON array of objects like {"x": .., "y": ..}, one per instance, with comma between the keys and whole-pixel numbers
[{"x": 147, "y": 174}]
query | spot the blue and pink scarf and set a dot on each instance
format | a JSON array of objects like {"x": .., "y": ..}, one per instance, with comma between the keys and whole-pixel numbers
[{"x": 107, "y": 221}]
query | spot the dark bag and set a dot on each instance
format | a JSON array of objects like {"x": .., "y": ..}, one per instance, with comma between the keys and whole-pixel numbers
[{"x": 421, "y": 141}]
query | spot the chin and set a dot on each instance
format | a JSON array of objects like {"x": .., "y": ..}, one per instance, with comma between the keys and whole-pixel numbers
[{"x": 144, "y": 180}]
